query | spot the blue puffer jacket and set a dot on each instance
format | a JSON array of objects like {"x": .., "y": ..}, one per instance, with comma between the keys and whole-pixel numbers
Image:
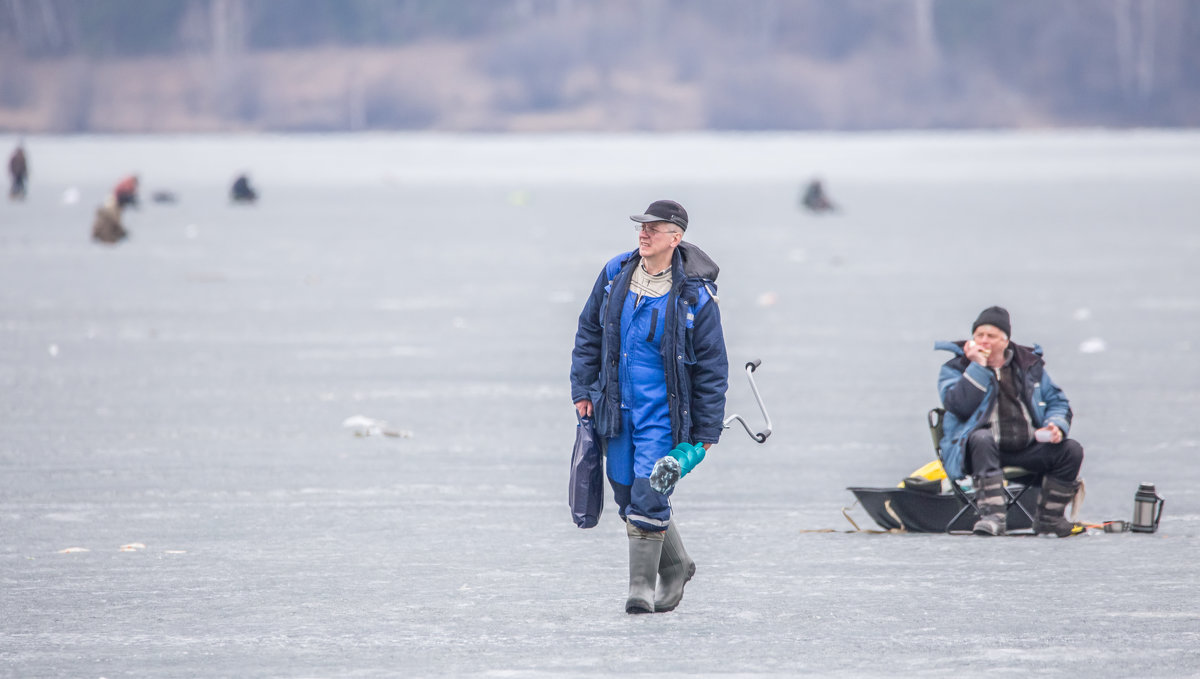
[
  {"x": 694, "y": 360},
  {"x": 968, "y": 391}
]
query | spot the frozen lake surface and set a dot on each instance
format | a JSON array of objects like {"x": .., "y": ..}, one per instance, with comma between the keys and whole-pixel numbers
[{"x": 186, "y": 391}]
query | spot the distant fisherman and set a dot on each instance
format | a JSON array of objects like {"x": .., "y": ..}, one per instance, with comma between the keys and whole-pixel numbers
[
  {"x": 18, "y": 170},
  {"x": 107, "y": 226},
  {"x": 649, "y": 365},
  {"x": 126, "y": 191},
  {"x": 814, "y": 198},
  {"x": 241, "y": 191}
]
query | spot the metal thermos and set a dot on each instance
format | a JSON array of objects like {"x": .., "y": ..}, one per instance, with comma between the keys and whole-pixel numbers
[{"x": 1147, "y": 509}]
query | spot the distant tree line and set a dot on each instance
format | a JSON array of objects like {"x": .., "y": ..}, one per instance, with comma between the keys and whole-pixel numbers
[
  {"x": 759, "y": 64},
  {"x": 134, "y": 28}
]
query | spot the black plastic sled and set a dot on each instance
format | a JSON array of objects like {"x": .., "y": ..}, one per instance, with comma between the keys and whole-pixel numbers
[{"x": 918, "y": 511}]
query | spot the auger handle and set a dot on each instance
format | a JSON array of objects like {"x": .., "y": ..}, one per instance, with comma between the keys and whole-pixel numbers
[{"x": 760, "y": 437}]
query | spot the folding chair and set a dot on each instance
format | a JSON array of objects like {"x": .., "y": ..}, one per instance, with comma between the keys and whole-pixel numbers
[{"x": 1015, "y": 475}]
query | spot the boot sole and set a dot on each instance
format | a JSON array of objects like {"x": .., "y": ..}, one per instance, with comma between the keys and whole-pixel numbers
[{"x": 636, "y": 606}]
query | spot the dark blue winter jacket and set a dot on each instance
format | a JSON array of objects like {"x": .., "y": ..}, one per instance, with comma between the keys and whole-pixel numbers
[
  {"x": 968, "y": 391},
  {"x": 694, "y": 360}
]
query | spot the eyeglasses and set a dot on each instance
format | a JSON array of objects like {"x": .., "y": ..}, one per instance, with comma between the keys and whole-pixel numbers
[{"x": 639, "y": 228}]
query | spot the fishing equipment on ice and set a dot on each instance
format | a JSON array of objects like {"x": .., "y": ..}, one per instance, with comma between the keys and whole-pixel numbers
[
  {"x": 1147, "y": 509},
  {"x": 684, "y": 458}
]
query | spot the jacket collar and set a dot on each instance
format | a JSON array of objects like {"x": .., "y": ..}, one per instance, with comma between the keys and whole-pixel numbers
[{"x": 688, "y": 260}]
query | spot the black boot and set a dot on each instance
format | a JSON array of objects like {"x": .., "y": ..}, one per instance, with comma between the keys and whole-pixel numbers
[
  {"x": 989, "y": 497},
  {"x": 645, "y": 551},
  {"x": 1052, "y": 506},
  {"x": 675, "y": 568}
]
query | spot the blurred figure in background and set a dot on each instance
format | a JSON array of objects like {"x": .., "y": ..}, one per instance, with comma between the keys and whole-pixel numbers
[
  {"x": 241, "y": 191},
  {"x": 18, "y": 170},
  {"x": 815, "y": 199},
  {"x": 107, "y": 227},
  {"x": 126, "y": 191},
  {"x": 164, "y": 197}
]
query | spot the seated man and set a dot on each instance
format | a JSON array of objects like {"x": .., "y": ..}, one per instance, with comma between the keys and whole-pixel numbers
[
  {"x": 1002, "y": 409},
  {"x": 241, "y": 192},
  {"x": 815, "y": 199}
]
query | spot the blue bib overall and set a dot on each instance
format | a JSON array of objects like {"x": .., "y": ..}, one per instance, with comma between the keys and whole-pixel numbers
[{"x": 645, "y": 434}]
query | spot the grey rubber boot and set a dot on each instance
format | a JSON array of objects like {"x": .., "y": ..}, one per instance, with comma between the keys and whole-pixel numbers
[
  {"x": 645, "y": 551},
  {"x": 989, "y": 496},
  {"x": 675, "y": 568},
  {"x": 1052, "y": 506}
]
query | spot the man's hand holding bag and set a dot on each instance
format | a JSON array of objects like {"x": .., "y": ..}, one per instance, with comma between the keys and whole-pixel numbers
[{"x": 586, "y": 492}]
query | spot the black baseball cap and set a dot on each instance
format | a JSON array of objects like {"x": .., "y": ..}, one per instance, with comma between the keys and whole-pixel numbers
[{"x": 664, "y": 211}]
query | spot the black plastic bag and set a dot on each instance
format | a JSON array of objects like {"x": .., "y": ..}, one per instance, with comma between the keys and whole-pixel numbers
[{"x": 586, "y": 493}]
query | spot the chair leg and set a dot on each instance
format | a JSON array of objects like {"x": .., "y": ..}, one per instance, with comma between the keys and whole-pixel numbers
[
  {"x": 967, "y": 504},
  {"x": 965, "y": 507},
  {"x": 1016, "y": 500}
]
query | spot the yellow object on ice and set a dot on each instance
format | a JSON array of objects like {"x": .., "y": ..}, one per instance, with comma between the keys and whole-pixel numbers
[{"x": 932, "y": 471}]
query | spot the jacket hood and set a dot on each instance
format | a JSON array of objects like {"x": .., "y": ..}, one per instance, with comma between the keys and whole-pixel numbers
[{"x": 697, "y": 263}]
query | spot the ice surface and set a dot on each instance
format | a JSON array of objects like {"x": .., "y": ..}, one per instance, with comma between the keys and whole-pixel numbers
[{"x": 195, "y": 402}]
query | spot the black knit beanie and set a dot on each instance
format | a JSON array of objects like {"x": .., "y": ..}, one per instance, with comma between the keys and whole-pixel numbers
[{"x": 994, "y": 315}]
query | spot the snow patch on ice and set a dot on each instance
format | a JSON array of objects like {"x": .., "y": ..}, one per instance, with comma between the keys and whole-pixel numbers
[
  {"x": 1093, "y": 345},
  {"x": 366, "y": 426}
]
